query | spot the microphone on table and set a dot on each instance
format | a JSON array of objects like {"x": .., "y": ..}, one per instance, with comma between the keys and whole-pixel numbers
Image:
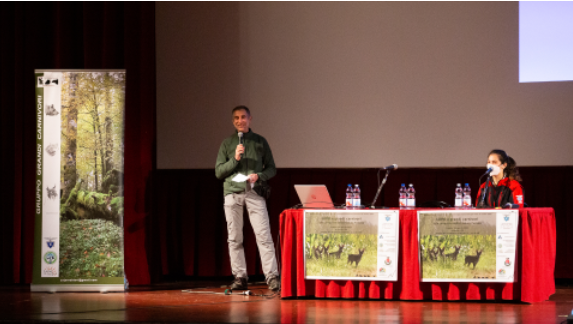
[
  {"x": 241, "y": 141},
  {"x": 388, "y": 169},
  {"x": 391, "y": 167},
  {"x": 481, "y": 200}
]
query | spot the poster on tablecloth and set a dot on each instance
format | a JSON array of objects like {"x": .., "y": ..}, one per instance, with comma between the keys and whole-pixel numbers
[
  {"x": 351, "y": 244},
  {"x": 467, "y": 245},
  {"x": 79, "y": 180}
]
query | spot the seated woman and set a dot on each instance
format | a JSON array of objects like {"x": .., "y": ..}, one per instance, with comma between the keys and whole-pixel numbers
[{"x": 503, "y": 186}]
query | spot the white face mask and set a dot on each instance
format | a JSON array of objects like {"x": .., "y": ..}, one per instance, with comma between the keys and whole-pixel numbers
[{"x": 496, "y": 169}]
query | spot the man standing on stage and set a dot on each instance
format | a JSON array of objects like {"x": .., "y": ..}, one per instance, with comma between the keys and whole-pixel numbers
[{"x": 247, "y": 154}]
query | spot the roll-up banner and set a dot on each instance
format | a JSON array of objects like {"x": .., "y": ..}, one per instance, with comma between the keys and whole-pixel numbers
[{"x": 79, "y": 180}]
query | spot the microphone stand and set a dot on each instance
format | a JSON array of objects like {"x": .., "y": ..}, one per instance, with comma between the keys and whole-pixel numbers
[
  {"x": 379, "y": 189},
  {"x": 481, "y": 203}
]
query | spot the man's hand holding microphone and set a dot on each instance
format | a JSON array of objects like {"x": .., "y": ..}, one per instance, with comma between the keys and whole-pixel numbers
[{"x": 239, "y": 151}]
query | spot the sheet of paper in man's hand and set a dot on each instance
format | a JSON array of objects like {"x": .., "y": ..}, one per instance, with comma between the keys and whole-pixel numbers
[{"x": 240, "y": 178}]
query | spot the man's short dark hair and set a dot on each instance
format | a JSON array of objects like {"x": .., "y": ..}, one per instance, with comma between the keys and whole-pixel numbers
[{"x": 241, "y": 108}]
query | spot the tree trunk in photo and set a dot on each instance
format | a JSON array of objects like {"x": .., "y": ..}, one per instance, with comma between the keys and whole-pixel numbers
[
  {"x": 108, "y": 123},
  {"x": 70, "y": 136},
  {"x": 96, "y": 186},
  {"x": 108, "y": 144},
  {"x": 98, "y": 138}
]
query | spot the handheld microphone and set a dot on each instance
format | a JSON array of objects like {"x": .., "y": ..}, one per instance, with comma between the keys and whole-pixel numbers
[
  {"x": 241, "y": 141},
  {"x": 391, "y": 167}
]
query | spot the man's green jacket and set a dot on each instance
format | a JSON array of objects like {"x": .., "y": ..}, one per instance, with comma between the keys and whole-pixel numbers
[{"x": 257, "y": 158}]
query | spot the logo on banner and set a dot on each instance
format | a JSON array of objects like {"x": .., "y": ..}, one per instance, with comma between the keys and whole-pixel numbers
[
  {"x": 387, "y": 261},
  {"x": 50, "y": 272},
  {"x": 387, "y": 218},
  {"x": 519, "y": 199},
  {"x": 51, "y": 110},
  {"x": 50, "y": 241},
  {"x": 380, "y": 237},
  {"x": 499, "y": 237},
  {"x": 507, "y": 263},
  {"x": 43, "y": 81},
  {"x": 50, "y": 257},
  {"x": 506, "y": 218},
  {"x": 501, "y": 272},
  {"x": 382, "y": 270}
]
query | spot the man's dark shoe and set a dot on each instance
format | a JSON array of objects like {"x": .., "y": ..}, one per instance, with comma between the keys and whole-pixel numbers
[
  {"x": 240, "y": 283},
  {"x": 274, "y": 284}
]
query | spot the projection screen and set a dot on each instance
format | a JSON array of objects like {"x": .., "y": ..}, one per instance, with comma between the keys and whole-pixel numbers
[{"x": 354, "y": 85}]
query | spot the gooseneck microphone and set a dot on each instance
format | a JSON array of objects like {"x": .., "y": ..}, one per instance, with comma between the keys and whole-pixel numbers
[
  {"x": 388, "y": 169},
  {"x": 481, "y": 201},
  {"x": 487, "y": 172}
]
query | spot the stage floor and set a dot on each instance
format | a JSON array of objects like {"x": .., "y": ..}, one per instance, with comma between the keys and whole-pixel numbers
[{"x": 170, "y": 304}]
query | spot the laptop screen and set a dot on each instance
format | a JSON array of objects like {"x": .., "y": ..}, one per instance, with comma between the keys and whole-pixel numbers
[{"x": 314, "y": 196}]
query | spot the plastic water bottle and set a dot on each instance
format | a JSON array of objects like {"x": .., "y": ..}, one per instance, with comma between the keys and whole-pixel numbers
[
  {"x": 459, "y": 196},
  {"x": 356, "y": 202},
  {"x": 349, "y": 195},
  {"x": 403, "y": 201},
  {"x": 467, "y": 196},
  {"x": 411, "y": 196}
]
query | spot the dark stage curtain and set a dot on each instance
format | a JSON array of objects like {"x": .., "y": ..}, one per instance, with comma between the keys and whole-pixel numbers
[{"x": 73, "y": 35}]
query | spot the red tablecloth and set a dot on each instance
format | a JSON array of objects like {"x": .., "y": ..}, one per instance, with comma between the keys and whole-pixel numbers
[{"x": 534, "y": 267}]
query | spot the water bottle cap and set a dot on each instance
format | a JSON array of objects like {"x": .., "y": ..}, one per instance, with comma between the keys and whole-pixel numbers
[
  {"x": 403, "y": 185},
  {"x": 349, "y": 185},
  {"x": 459, "y": 184},
  {"x": 467, "y": 184},
  {"x": 411, "y": 185}
]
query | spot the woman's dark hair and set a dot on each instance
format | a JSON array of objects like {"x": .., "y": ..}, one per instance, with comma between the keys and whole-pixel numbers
[{"x": 511, "y": 171}]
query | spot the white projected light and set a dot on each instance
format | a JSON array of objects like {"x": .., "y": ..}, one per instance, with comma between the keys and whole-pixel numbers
[{"x": 545, "y": 41}]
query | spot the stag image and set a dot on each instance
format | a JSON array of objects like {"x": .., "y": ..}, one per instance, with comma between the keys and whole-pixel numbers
[
  {"x": 433, "y": 253},
  {"x": 337, "y": 253},
  {"x": 442, "y": 251},
  {"x": 454, "y": 255},
  {"x": 355, "y": 257},
  {"x": 325, "y": 250},
  {"x": 473, "y": 259},
  {"x": 318, "y": 252}
]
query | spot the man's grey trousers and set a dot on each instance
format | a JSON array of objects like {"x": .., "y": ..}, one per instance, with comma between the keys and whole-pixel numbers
[{"x": 259, "y": 217}]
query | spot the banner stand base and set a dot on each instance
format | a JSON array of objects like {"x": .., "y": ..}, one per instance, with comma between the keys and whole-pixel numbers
[{"x": 77, "y": 288}]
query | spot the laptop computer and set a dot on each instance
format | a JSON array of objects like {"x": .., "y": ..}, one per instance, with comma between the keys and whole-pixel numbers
[{"x": 314, "y": 196}]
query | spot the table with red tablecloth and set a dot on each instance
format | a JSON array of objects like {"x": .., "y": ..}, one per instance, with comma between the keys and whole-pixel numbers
[{"x": 535, "y": 264}]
